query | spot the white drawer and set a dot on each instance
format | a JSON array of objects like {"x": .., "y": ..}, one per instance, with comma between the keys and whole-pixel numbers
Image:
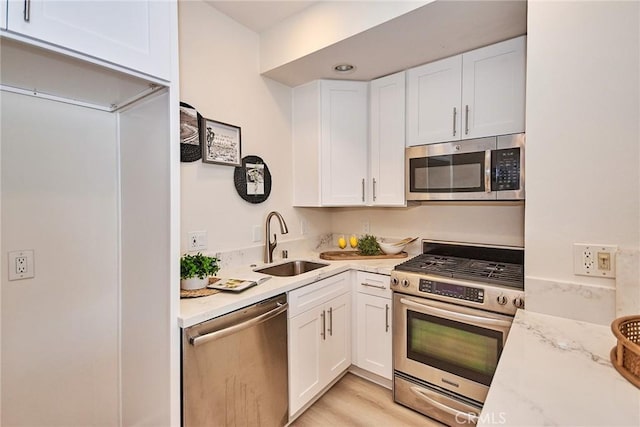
[
  {"x": 307, "y": 297},
  {"x": 373, "y": 284}
]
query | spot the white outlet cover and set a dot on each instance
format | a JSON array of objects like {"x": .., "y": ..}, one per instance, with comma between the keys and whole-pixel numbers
[
  {"x": 585, "y": 259},
  {"x": 13, "y": 263},
  {"x": 257, "y": 234}
]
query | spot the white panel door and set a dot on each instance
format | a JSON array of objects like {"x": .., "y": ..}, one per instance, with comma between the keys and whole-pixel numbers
[
  {"x": 387, "y": 144},
  {"x": 337, "y": 346},
  {"x": 344, "y": 142},
  {"x": 306, "y": 378},
  {"x": 493, "y": 89},
  {"x": 133, "y": 34},
  {"x": 374, "y": 334},
  {"x": 433, "y": 102}
]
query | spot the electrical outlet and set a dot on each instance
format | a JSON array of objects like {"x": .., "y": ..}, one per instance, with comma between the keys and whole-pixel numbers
[
  {"x": 197, "y": 241},
  {"x": 594, "y": 260},
  {"x": 366, "y": 227},
  {"x": 303, "y": 227},
  {"x": 21, "y": 265}
]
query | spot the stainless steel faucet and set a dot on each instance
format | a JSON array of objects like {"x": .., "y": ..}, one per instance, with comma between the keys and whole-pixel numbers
[{"x": 268, "y": 245}]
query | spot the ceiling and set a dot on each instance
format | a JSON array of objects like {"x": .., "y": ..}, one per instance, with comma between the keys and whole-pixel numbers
[
  {"x": 260, "y": 15},
  {"x": 437, "y": 30}
]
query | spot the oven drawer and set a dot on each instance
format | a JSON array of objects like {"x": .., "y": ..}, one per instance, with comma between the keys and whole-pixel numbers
[
  {"x": 373, "y": 284},
  {"x": 447, "y": 409}
]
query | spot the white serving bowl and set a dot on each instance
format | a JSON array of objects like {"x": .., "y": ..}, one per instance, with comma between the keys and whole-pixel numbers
[{"x": 390, "y": 249}]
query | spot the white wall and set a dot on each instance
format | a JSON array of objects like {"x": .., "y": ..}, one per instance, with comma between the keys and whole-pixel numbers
[
  {"x": 220, "y": 77},
  {"x": 60, "y": 329},
  {"x": 499, "y": 224},
  {"x": 583, "y": 156}
]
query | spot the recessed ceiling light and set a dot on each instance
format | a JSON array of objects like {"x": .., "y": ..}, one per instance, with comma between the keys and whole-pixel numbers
[{"x": 344, "y": 68}]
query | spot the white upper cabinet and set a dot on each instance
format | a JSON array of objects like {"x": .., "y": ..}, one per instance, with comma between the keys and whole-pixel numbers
[
  {"x": 132, "y": 34},
  {"x": 493, "y": 89},
  {"x": 433, "y": 102},
  {"x": 348, "y": 150},
  {"x": 330, "y": 143},
  {"x": 479, "y": 93},
  {"x": 387, "y": 133}
]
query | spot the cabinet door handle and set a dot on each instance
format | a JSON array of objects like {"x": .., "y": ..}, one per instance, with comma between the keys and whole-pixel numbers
[
  {"x": 363, "y": 189},
  {"x": 369, "y": 285},
  {"x": 386, "y": 317},
  {"x": 466, "y": 120},
  {"x": 330, "y": 321},
  {"x": 455, "y": 113},
  {"x": 27, "y": 10},
  {"x": 374, "y": 189},
  {"x": 323, "y": 333}
]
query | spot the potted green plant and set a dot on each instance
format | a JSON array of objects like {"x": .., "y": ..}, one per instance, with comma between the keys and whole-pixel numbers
[{"x": 196, "y": 269}]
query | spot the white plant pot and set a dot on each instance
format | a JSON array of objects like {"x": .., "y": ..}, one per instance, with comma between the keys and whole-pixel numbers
[{"x": 194, "y": 283}]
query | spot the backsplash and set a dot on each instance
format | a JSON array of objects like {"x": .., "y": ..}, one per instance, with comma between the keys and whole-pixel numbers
[
  {"x": 590, "y": 303},
  {"x": 298, "y": 248}
]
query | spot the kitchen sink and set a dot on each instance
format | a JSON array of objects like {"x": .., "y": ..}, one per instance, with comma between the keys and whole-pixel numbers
[{"x": 291, "y": 268}]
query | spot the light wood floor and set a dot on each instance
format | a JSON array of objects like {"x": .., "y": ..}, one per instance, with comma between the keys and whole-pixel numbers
[{"x": 355, "y": 402}]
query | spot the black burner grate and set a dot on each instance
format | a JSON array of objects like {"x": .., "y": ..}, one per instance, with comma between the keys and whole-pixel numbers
[{"x": 469, "y": 269}]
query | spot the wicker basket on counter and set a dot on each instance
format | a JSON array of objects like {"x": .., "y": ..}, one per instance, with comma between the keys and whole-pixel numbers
[{"x": 625, "y": 356}]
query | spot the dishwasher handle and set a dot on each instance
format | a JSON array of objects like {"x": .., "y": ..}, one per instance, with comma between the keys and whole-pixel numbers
[{"x": 201, "y": 339}]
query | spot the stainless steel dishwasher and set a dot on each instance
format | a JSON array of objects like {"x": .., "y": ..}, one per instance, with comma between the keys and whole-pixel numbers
[{"x": 234, "y": 368}]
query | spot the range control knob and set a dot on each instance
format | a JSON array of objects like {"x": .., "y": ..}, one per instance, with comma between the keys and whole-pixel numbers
[
  {"x": 405, "y": 283},
  {"x": 502, "y": 300},
  {"x": 394, "y": 281},
  {"x": 518, "y": 302}
]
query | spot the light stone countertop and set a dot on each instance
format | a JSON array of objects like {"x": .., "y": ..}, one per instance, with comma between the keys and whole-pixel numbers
[
  {"x": 557, "y": 372},
  {"x": 196, "y": 310}
]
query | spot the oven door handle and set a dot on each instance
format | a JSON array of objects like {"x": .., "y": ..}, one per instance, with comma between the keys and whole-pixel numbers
[
  {"x": 454, "y": 315},
  {"x": 470, "y": 416}
]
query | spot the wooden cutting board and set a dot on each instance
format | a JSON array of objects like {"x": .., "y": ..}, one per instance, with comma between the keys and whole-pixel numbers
[{"x": 347, "y": 255}]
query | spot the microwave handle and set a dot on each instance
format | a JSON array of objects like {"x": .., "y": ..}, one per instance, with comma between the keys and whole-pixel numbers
[
  {"x": 487, "y": 171},
  {"x": 454, "y": 315}
]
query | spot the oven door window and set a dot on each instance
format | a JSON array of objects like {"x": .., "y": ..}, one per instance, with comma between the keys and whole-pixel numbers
[
  {"x": 454, "y": 173},
  {"x": 465, "y": 350}
]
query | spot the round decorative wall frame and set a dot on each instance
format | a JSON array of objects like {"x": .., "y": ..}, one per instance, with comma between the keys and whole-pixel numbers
[{"x": 253, "y": 179}]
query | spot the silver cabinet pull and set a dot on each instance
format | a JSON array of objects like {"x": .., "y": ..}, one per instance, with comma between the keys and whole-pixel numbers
[
  {"x": 374, "y": 189},
  {"x": 466, "y": 120},
  {"x": 386, "y": 317},
  {"x": 369, "y": 285},
  {"x": 27, "y": 10},
  {"x": 323, "y": 334},
  {"x": 330, "y": 321},
  {"x": 455, "y": 113},
  {"x": 363, "y": 189}
]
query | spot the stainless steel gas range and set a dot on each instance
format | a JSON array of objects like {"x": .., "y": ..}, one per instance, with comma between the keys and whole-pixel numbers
[{"x": 453, "y": 306}]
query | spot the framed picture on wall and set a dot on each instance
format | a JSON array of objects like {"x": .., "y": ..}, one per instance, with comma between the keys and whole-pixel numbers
[{"x": 221, "y": 143}]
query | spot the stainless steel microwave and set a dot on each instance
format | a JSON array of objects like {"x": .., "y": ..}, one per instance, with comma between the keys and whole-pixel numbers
[{"x": 475, "y": 169}]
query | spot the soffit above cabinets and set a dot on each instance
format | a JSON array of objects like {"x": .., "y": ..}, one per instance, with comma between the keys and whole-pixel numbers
[
  {"x": 39, "y": 72},
  {"x": 437, "y": 30},
  {"x": 260, "y": 15}
]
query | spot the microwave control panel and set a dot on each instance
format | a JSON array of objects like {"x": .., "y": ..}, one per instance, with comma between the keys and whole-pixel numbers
[{"x": 505, "y": 171}]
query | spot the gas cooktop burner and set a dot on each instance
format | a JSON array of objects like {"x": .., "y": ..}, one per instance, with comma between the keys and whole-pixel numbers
[{"x": 500, "y": 273}]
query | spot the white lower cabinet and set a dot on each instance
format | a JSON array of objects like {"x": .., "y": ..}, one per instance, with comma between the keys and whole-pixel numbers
[
  {"x": 373, "y": 324},
  {"x": 319, "y": 337}
]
